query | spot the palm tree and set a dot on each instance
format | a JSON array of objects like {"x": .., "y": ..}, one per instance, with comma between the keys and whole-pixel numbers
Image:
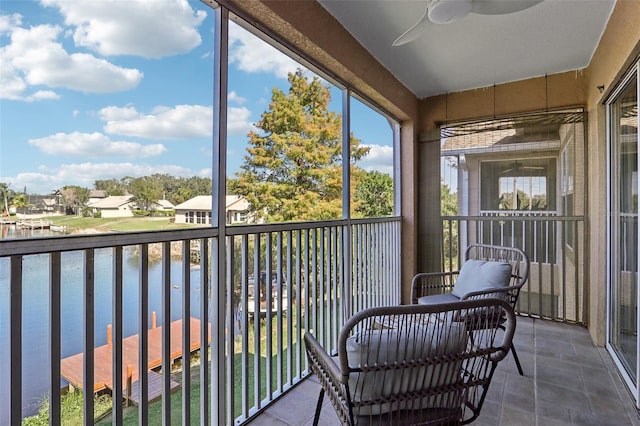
[{"x": 4, "y": 189}]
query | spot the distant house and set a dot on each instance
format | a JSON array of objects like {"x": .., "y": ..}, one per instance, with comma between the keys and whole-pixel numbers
[
  {"x": 198, "y": 210},
  {"x": 162, "y": 205},
  {"x": 114, "y": 206},
  {"x": 237, "y": 208},
  {"x": 49, "y": 205},
  {"x": 528, "y": 170},
  {"x": 96, "y": 195}
]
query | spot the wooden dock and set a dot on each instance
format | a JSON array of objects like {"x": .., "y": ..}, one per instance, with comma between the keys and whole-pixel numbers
[
  {"x": 71, "y": 367},
  {"x": 33, "y": 224}
]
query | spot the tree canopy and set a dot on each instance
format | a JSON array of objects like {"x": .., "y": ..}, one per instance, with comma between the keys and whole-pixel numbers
[
  {"x": 374, "y": 195},
  {"x": 293, "y": 167},
  {"x": 74, "y": 198}
]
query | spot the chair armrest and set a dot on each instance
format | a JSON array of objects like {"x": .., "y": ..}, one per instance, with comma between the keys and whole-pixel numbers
[
  {"x": 318, "y": 356},
  {"x": 429, "y": 283}
]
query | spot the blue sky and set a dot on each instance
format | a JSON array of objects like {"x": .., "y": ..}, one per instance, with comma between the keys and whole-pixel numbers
[{"x": 111, "y": 88}]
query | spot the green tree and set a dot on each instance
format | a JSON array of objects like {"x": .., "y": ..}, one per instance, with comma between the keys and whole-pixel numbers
[
  {"x": 449, "y": 207},
  {"x": 293, "y": 166},
  {"x": 7, "y": 197},
  {"x": 506, "y": 201},
  {"x": 374, "y": 195},
  {"x": 111, "y": 186},
  {"x": 74, "y": 197},
  {"x": 146, "y": 191},
  {"x": 19, "y": 201},
  {"x": 448, "y": 201}
]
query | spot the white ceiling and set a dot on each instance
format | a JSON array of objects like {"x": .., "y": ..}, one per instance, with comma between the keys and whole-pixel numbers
[{"x": 479, "y": 50}]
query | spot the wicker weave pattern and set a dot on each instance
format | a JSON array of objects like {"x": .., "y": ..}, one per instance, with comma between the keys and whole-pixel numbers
[
  {"x": 437, "y": 283},
  {"x": 416, "y": 364}
]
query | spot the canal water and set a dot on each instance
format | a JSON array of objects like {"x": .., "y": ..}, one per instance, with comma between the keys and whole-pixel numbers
[{"x": 35, "y": 312}]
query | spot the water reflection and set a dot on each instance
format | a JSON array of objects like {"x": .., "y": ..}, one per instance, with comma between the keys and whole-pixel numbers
[{"x": 35, "y": 310}]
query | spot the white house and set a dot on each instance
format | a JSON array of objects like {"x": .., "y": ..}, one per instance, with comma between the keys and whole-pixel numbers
[
  {"x": 114, "y": 206},
  {"x": 162, "y": 205},
  {"x": 198, "y": 210},
  {"x": 96, "y": 195}
]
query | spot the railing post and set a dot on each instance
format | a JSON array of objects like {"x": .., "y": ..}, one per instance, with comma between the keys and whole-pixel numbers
[{"x": 15, "y": 340}]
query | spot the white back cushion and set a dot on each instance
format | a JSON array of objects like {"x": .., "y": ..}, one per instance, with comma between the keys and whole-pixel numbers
[
  {"x": 396, "y": 346},
  {"x": 477, "y": 275}
]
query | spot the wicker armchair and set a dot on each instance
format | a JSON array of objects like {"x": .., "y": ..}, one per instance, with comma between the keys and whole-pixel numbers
[
  {"x": 413, "y": 364},
  {"x": 446, "y": 287}
]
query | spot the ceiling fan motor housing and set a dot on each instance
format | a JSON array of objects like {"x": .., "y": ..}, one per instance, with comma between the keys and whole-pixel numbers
[{"x": 446, "y": 11}]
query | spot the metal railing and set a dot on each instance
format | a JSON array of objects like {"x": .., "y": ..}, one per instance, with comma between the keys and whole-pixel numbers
[
  {"x": 281, "y": 280},
  {"x": 555, "y": 245},
  {"x": 292, "y": 278}
]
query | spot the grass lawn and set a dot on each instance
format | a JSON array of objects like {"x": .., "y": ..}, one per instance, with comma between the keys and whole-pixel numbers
[{"x": 130, "y": 415}]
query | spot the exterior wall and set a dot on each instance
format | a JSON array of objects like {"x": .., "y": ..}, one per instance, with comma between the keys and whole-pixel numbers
[
  {"x": 308, "y": 29},
  {"x": 619, "y": 46},
  {"x": 122, "y": 211},
  {"x": 180, "y": 216}
]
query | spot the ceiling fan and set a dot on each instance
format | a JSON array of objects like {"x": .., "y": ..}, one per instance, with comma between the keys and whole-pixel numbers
[
  {"x": 447, "y": 11},
  {"x": 518, "y": 166}
]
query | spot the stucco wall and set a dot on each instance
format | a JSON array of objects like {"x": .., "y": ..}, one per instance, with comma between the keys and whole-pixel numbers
[{"x": 619, "y": 46}]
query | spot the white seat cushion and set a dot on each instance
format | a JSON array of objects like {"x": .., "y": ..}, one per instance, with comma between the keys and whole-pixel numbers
[
  {"x": 436, "y": 299},
  {"x": 477, "y": 275}
]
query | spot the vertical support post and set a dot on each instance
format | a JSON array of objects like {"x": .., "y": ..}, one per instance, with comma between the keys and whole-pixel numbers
[
  {"x": 129, "y": 383},
  {"x": 244, "y": 304},
  {"x": 166, "y": 332},
  {"x": 116, "y": 338},
  {"x": 143, "y": 345},
  {"x": 186, "y": 332},
  {"x": 204, "y": 332},
  {"x": 220, "y": 86},
  {"x": 54, "y": 337},
  {"x": 89, "y": 335},
  {"x": 230, "y": 335},
  {"x": 15, "y": 340},
  {"x": 347, "y": 257}
]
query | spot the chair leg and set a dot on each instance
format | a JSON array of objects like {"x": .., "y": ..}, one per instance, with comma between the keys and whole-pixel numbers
[
  {"x": 316, "y": 416},
  {"x": 516, "y": 359}
]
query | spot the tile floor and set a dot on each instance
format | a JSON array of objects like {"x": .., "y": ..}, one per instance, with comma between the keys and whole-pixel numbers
[{"x": 567, "y": 381}]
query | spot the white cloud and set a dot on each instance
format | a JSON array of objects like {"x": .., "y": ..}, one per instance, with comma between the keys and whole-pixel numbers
[
  {"x": 8, "y": 22},
  {"x": 234, "y": 97},
  {"x": 151, "y": 29},
  {"x": 254, "y": 55},
  {"x": 34, "y": 57},
  {"x": 46, "y": 179},
  {"x": 238, "y": 120},
  {"x": 380, "y": 158},
  {"x": 179, "y": 122},
  {"x": 94, "y": 145}
]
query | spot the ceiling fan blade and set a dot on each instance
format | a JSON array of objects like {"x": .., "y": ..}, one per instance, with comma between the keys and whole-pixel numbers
[
  {"x": 415, "y": 31},
  {"x": 501, "y": 7}
]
